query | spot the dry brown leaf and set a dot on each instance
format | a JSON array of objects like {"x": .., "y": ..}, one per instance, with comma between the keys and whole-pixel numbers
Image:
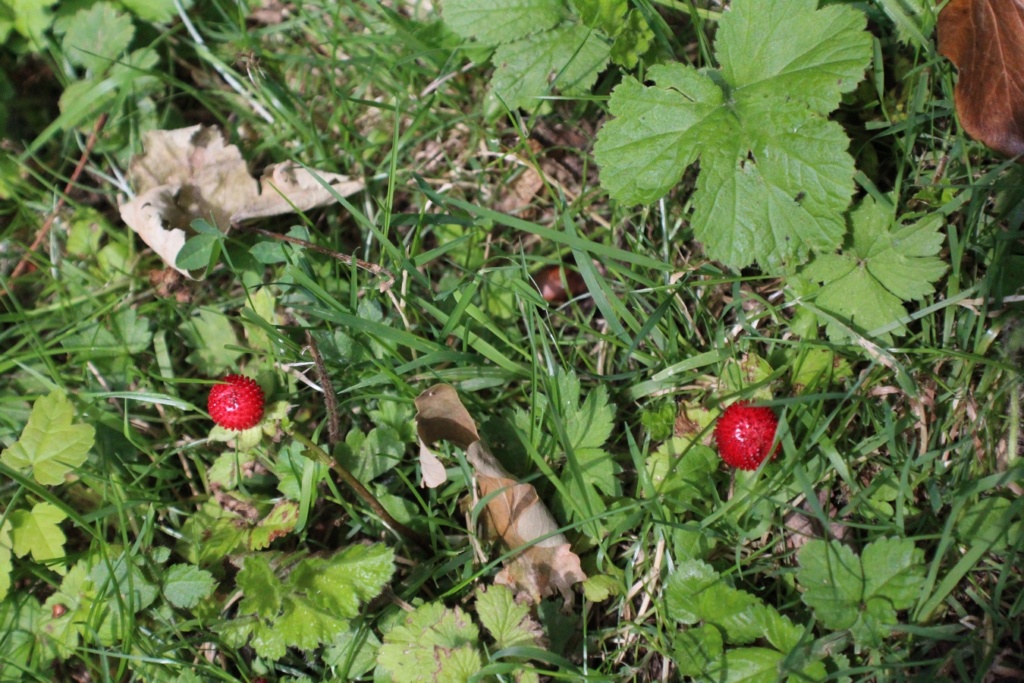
[
  {"x": 985, "y": 41},
  {"x": 513, "y": 511},
  {"x": 192, "y": 173},
  {"x": 440, "y": 416}
]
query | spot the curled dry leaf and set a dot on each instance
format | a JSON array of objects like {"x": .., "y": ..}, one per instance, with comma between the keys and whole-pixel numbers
[
  {"x": 514, "y": 512},
  {"x": 985, "y": 41},
  {"x": 192, "y": 173}
]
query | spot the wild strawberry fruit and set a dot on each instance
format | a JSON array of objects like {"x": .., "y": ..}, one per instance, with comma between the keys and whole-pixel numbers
[
  {"x": 236, "y": 403},
  {"x": 745, "y": 433}
]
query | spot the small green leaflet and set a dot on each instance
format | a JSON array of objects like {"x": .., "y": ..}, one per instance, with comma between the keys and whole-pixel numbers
[
  {"x": 863, "y": 593},
  {"x": 775, "y": 174},
  {"x": 38, "y": 532},
  {"x": 95, "y": 37},
  {"x": 508, "y": 621},
  {"x": 881, "y": 266},
  {"x": 185, "y": 585},
  {"x": 50, "y": 445}
]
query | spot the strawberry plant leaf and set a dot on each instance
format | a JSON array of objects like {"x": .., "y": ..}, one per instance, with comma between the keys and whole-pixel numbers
[
  {"x": 605, "y": 15},
  {"x": 50, "y": 445},
  {"x": 696, "y": 649},
  {"x": 567, "y": 58},
  {"x": 38, "y": 532},
  {"x": 881, "y": 266},
  {"x": 185, "y": 585},
  {"x": 864, "y": 593},
  {"x": 432, "y": 641},
  {"x": 499, "y": 21},
  {"x": 281, "y": 520},
  {"x": 508, "y": 622},
  {"x": 316, "y": 601},
  {"x": 775, "y": 174},
  {"x": 97, "y": 36}
]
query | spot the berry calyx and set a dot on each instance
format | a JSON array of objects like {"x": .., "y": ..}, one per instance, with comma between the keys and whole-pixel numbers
[
  {"x": 745, "y": 434},
  {"x": 236, "y": 403}
]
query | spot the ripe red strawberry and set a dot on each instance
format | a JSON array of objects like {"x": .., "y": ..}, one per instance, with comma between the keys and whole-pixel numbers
[
  {"x": 236, "y": 403},
  {"x": 745, "y": 433}
]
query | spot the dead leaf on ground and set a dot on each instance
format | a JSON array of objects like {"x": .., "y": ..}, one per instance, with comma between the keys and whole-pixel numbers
[
  {"x": 985, "y": 41},
  {"x": 513, "y": 512},
  {"x": 192, "y": 173}
]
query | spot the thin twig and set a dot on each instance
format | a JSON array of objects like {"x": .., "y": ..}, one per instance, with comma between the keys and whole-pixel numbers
[
  {"x": 22, "y": 266},
  {"x": 379, "y": 271},
  {"x": 318, "y": 453},
  {"x": 330, "y": 400}
]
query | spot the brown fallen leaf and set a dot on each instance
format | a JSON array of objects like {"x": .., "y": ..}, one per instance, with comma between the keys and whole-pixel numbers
[
  {"x": 985, "y": 41},
  {"x": 192, "y": 173},
  {"x": 513, "y": 511}
]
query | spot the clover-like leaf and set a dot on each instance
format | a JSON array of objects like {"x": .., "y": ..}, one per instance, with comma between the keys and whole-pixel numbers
[{"x": 50, "y": 446}]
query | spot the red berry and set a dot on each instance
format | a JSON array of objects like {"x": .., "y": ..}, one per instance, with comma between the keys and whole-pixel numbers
[
  {"x": 745, "y": 434},
  {"x": 236, "y": 403}
]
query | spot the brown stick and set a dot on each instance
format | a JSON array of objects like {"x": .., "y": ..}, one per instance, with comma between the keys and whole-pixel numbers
[
  {"x": 330, "y": 400},
  {"x": 317, "y": 453},
  {"x": 22, "y": 266}
]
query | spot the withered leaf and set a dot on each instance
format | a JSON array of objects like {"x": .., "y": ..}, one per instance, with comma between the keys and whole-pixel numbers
[
  {"x": 513, "y": 511},
  {"x": 985, "y": 41},
  {"x": 191, "y": 173}
]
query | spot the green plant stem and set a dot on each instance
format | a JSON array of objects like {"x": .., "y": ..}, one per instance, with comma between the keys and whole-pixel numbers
[{"x": 318, "y": 453}]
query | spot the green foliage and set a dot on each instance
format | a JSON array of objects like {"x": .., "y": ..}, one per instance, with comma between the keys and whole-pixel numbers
[
  {"x": 862, "y": 593},
  {"x": 431, "y": 643},
  {"x": 96, "y": 36},
  {"x": 312, "y": 604},
  {"x": 881, "y": 265},
  {"x": 696, "y": 595},
  {"x": 775, "y": 175},
  {"x": 38, "y": 532},
  {"x": 50, "y": 446},
  {"x": 436, "y": 643},
  {"x": 543, "y": 46}
]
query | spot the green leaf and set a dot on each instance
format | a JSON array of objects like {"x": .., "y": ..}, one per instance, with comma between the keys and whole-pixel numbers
[
  {"x": 185, "y": 585},
  {"x": 861, "y": 594},
  {"x": 6, "y": 566},
  {"x": 263, "y": 590},
  {"x": 279, "y": 522},
  {"x": 210, "y": 334},
  {"x": 432, "y": 643},
  {"x": 681, "y": 472},
  {"x": 508, "y": 622},
  {"x": 632, "y": 41},
  {"x": 567, "y": 59},
  {"x": 97, "y": 36},
  {"x": 353, "y": 652},
  {"x": 696, "y": 593},
  {"x": 197, "y": 252},
  {"x": 696, "y": 649},
  {"x": 748, "y": 665},
  {"x": 775, "y": 174},
  {"x": 881, "y": 266},
  {"x": 39, "y": 532},
  {"x": 50, "y": 445},
  {"x": 31, "y": 18},
  {"x": 604, "y": 15},
  {"x": 499, "y": 21},
  {"x": 340, "y": 583}
]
